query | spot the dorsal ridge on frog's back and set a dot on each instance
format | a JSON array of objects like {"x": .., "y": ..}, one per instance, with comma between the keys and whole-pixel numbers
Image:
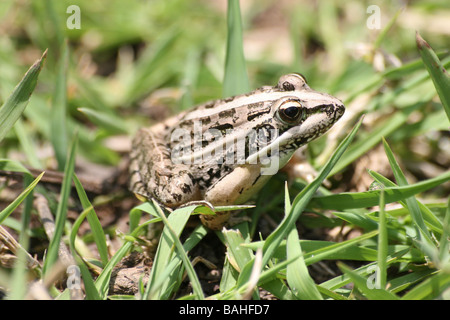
[
  {"x": 294, "y": 83},
  {"x": 232, "y": 110}
]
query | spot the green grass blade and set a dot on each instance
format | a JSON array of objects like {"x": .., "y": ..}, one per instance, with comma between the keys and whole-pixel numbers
[
  {"x": 26, "y": 214},
  {"x": 367, "y": 142},
  {"x": 440, "y": 76},
  {"x": 344, "y": 279},
  {"x": 236, "y": 252},
  {"x": 332, "y": 251},
  {"x": 165, "y": 254},
  {"x": 12, "y": 165},
  {"x": 433, "y": 222},
  {"x": 382, "y": 246},
  {"x": 364, "y": 285},
  {"x": 268, "y": 281},
  {"x": 145, "y": 77},
  {"x": 94, "y": 223},
  {"x": 242, "y": 260},
  {"x": 368, "y": 224},
  {"x": 303, "y": 198},
  {"x": 108, "y": 121},
  {"x": 353, "y": 200},
  {"x": 316, "y": 250},
  {"x": 331, "y": 294},
  {"x": 18, "y": 100},
  {"x": 27, "y": 146},
  {"x": 297, "y": 274},
  {"x": 89, "y": 285},
  {"x": 170, "y": 239},
  {"x": 13, "y": 205},
  {"x": 51, "y": 28},
  {"x": 278, "y": 288},
  {"x": 229, "y": 277},
  {"x": 406, "y": 69},
  {"x": 58, "y": 118},
  {"x": 360, "y": 220},
  {"x": 19, "y": 275},
  {"x": 61, "y": 213},
  {"x": 102, "y": 281},
  {"x": 383, "y": 33},
  {"x": 411, "y": 202},
  {"x": 444, "y": 244},
  {"x": 175, "y": 264},
  {"x": 235, "y": 78},
  {"x": 430, "y": 288},
  {"x": 403, "y": 282},
  {"x": 18, "y": 286},
  {"x": 190, "y": 77}
]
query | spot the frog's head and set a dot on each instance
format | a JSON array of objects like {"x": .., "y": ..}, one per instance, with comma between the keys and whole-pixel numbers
[
  {"x": 300, "y": 115},
  {"x": 268, "y": 123},
  {"x": 303, "y": 114}
]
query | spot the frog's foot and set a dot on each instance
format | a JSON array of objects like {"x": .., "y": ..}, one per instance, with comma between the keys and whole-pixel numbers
[
  {"x": 222, "y": 219},
  {"x": 213, "y": 222},
  {"x": 198, "y": 203},
  {"x": 216, "y": 221}
]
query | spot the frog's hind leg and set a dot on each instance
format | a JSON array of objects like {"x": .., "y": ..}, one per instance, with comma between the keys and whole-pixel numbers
[
  {"x": 135, "y": 183},
  {"x": 153, "y": 174}
]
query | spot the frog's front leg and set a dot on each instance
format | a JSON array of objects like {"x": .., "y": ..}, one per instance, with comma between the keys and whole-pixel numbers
[
  {"x": 153, "y": 174},
  {"x": 233, "y": 188}
]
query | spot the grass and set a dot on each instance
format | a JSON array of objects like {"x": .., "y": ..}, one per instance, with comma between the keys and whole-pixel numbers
[{"x": 335, "y": 237}]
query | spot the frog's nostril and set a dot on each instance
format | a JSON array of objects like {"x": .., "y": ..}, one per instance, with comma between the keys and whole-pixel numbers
[{"x": 340, "y": 109}]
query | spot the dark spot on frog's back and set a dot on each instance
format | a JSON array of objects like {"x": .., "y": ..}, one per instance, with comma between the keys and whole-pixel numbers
[
  {"x": 229, "y": 99},
  {"x": 223, "y": 127},
  {"x": 177, "y": 197},
  {"x": 206, "y": 120},
  {"x": 209, "y": 105},
  {"x": 254, "y": 115},
  {"x": 227, "y": 113},
  {"x": 256, "y": 110},
  {"x": 186, "y": 188},
  {"x": 186, "y": 124},
  {"x": 214, "y": 174}
]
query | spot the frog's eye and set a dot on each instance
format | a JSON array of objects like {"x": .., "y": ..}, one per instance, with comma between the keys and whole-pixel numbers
[
  {"x": 290, "y": 112},
  {"x": 292, "y": 82}
]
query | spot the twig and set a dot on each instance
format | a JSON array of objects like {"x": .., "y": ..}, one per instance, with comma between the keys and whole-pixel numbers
[
  {"x": 15, "y": 247},
  {"x": 64, "y": 254}
]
